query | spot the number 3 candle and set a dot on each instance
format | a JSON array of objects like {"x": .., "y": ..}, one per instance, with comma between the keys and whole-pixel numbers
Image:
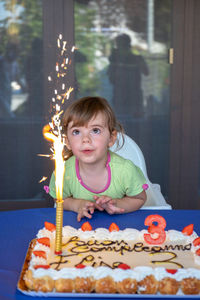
[{"x": 155, "y": 229}]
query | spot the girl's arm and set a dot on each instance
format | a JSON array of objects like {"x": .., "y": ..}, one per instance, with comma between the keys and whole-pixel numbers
[{"x": 130, "y": 204}]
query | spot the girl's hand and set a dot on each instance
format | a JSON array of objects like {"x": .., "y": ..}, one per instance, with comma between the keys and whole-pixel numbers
[
  {"x": 85, "y": 209},
  {"x": 102, "y": 201},
  {"x": 108, "y": 204}
]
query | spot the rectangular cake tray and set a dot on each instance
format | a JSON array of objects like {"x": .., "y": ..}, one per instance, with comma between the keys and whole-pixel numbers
[
  {"x": 95, "y": 295},
  {"x": 23, "y": 289}
]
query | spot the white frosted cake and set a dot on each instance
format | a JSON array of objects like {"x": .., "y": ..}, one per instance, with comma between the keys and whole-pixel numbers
[{"x": 115, "y": 261}]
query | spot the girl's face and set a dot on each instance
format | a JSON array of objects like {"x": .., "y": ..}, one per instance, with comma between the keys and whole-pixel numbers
[{"x": 90, "y": 143}]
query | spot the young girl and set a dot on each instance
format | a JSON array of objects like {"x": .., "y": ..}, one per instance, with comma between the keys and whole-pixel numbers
[{"x": 95, "y": 177}]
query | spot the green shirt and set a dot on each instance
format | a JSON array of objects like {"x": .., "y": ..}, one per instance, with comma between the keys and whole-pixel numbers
[{"x": 126, "y": 179}]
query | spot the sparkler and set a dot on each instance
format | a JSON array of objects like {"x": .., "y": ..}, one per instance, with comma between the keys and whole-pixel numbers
[
  {"x": 59, "y": 173},
  {"x": 53, "y": 133},
  {"x": 43, "y": 179}
]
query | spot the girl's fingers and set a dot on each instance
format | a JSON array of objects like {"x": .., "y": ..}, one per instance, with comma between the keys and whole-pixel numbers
[
  {"x": 106, "y": 200},
  {"x": 120, "y": 210},
  {"x": 103, "y": 200},
  {"x": 98, "y": 201},
  {"x": 91, "y": 209},
  {"x": 117, "y": 209},
  {"x": 89, "y": 204},
  {"x": 86, "y": 214},
  {"x": 114, "y": 209},
  {"x": 79, "y": 216},
  {"x": 99, "y": 207}
]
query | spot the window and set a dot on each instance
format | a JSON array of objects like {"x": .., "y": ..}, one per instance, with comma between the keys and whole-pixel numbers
[{"x": 21, "y": 99}]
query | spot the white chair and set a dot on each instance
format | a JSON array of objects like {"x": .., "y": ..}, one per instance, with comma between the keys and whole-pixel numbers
[{"x": 131, "y": 151}]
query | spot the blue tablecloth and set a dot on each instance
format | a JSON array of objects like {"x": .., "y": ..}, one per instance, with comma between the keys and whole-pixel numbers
[{"x": 18, "y": 228}]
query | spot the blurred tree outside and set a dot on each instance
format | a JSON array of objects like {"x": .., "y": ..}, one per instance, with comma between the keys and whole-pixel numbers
[
  {"x": 21, "y": 25},
  {"x": 90, "y": 46}
]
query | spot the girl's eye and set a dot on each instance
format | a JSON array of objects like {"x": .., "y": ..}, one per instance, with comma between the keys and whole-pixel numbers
[
  {"x": 96, "y": 130},
  {"x": 75, "y": 132}
]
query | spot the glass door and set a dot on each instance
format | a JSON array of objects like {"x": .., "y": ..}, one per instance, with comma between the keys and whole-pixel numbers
[
  {"x": 123, "y": 56},
  {"x": 21, "y": 100}
]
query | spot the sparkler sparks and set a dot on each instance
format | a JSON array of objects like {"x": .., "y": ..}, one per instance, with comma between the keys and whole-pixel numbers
[
  {"x": 43, "y": 179},
  {"x": 53, "y": 132},
  {"x": 61, "y": 92},
  {"x": 59, "y": 161},
  {"x": 44, "y": 155}
]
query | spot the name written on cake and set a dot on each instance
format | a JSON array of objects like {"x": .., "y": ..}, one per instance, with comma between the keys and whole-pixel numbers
[{"x": 77, "y": 247}]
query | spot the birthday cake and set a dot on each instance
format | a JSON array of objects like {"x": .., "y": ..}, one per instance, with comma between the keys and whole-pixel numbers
[{"x": 111, "y": 260}]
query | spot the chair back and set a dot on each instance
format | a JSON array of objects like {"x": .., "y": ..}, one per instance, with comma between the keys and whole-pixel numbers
[{"x": 130, "y": 150}]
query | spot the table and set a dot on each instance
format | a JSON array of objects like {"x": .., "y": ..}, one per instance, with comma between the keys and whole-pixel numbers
[{"x": 18, "y": 227}]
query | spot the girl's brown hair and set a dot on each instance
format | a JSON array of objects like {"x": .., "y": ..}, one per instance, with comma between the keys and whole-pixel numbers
[{"x": 83, "y": 110}]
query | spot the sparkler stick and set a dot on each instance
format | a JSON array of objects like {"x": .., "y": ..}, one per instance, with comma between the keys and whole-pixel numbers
[{"x": 59, "y": 173}]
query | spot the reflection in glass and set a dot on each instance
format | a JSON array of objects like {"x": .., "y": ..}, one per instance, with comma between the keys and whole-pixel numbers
[
  {"x": 125, "y": 72},
  {"x": 20, "y": 57},
  {"x": 21, "y": 99},
  {"x": 10, "y": 83},
  {"x": 124, "y": 49}
]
